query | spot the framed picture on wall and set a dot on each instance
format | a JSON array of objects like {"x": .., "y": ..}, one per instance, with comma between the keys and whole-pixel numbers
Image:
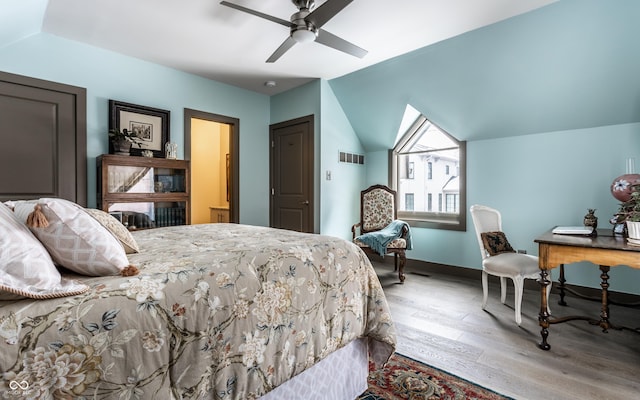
[{"x": 150, "y": 124}]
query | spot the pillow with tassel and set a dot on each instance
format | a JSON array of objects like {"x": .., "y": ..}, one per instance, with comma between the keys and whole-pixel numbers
[
  {"x": 26, "y": 269},
  {"x": 74, "y": 239}
]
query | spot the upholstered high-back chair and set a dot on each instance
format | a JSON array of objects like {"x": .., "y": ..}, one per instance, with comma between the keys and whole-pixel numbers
[
  {"x": 499, "y": 258},
  {"x": 378, "y": 209}
]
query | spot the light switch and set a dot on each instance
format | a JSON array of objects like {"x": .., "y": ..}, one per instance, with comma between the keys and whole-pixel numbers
[{"x": 328, "y": 175}]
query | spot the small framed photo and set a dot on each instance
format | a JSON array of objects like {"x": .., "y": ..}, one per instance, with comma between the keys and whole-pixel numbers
[{"x": 151, "y": 125}]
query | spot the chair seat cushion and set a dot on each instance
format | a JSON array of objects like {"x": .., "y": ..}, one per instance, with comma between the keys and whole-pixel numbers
[
  {"x": 510, "y": 264},
  {"x": 399, "y": 243}
]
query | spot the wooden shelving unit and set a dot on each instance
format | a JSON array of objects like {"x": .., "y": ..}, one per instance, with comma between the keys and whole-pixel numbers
[{"x": 144, "y": 192}]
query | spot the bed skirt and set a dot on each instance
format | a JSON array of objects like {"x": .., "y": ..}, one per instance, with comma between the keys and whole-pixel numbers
[{"x": 340, "y": 376}]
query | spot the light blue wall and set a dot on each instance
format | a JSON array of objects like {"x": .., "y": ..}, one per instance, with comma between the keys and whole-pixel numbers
[
  {"x": 539, "y": 181},
  {"x": 20, "y": 19},
  {"x": 107, "y": 75},
  {"x": 377, "y": 168},
  {"x": 340, "y": 207}
]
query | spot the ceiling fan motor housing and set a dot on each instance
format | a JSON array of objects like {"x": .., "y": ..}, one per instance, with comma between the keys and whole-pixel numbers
[
  {"x": 304, "y": 4},
  {"x": 302, "y": 30}
]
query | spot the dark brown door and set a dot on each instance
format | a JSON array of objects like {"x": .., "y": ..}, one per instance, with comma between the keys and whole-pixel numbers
[
  {"x": 44, "y": 125},
  {"x": 291, "y": 160}
]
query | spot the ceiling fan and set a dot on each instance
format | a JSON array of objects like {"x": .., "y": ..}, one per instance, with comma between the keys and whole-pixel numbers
[{"x": 305, "y": 26}]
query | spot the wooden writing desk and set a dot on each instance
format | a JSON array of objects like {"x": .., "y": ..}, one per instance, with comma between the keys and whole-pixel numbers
[{"x": 604, "y": 249}]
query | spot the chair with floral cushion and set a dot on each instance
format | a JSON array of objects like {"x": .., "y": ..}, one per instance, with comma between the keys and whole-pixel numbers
[
  {"x": 378, "y": 222},
  {"x": 500, "y": 259}
]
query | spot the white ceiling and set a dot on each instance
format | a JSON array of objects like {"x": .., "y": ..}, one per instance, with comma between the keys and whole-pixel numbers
[{"x": 205, "y": 38}]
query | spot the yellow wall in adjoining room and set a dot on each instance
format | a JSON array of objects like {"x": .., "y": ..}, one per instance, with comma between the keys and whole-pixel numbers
[{"x": 209, "y": 147}]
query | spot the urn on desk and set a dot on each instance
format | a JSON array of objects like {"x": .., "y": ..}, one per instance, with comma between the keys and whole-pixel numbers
[{"x": 590, "y": 219}]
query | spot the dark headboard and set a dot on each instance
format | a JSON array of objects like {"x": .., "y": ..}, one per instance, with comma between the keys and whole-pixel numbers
[{"x": 43, "y": 139}]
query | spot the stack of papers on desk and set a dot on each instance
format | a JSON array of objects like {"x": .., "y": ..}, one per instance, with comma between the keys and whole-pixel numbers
[{"x": 573, "y": 230}]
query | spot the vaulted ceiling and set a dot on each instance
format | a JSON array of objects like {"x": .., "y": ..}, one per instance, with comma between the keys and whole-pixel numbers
[
  {"x": 206, "y": 38},
  {"x": 478, "y": 69},
  {"x": 573, "y": 64}
]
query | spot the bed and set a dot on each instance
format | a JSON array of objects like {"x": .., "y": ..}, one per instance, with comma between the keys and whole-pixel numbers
[{"x": 217, "y": 311}]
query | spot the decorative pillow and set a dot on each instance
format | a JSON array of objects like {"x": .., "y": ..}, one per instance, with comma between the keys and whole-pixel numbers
[
  {"x": 74, "y": 239},
  {"x": 496, "y": 243},
  {"x": 26, "y": 269},
  {"x": 116, "y": 228}
]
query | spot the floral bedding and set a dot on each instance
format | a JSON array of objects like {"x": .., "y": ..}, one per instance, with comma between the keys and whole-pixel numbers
[{"x": 218, "y": 311}]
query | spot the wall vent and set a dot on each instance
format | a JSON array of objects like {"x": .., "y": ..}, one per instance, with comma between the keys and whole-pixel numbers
[{"x": 351, "y": 158}]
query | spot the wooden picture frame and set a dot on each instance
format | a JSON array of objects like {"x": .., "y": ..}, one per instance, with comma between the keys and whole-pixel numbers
[{"x": 151, "y": 124}]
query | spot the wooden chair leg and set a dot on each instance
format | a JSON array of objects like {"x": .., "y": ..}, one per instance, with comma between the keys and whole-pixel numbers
[
  {"x": 395, "y": 261},
  {"x": 403, "y": 260}
]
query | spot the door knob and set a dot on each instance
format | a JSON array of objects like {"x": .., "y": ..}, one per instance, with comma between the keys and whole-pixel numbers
[{"x": 305, "y": 203}]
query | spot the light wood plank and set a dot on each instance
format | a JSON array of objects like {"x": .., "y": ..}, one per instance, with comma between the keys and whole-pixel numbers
[{"x": 439, "y": 321}]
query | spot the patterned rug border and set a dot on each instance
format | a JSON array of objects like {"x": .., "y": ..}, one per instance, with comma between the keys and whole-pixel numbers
[
  {"x": 456, "y": 376},
  {"x": 452, "y": 375}
]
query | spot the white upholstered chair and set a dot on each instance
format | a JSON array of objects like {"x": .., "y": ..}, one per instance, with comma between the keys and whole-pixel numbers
[{"x": 509, "y": 264}]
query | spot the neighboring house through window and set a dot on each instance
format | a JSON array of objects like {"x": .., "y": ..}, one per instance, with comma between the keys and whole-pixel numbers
[{"x": 428, "y": 162}]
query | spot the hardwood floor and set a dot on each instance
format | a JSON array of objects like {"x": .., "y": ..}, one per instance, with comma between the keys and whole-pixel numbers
[{"x": 439, "y": 321}]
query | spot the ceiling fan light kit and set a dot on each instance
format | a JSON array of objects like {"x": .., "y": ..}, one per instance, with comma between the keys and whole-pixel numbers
[
  {"x": 304, "y": 35},
  {"x": 305, "y": 26},
  {"x": 303, "y": 31}
]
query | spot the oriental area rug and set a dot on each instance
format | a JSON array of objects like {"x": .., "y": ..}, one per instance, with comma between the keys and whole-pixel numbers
[{"x": 406, "y": 378}]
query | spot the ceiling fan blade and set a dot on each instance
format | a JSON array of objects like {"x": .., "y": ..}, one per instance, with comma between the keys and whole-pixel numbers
[
  {"x": 333, "y": 41},
  {"x": 286, "y": 45},
  {"x": 326, "y": 11},
  {"x": 257, "y": 14}
]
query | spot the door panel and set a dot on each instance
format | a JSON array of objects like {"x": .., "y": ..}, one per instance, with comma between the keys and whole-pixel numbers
[
  {"x": 292, "y": 175},
  {"x": 44, "y": 123}
]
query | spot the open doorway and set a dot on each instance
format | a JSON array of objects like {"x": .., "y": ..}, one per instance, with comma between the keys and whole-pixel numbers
[{"x": 211, "y": 145}]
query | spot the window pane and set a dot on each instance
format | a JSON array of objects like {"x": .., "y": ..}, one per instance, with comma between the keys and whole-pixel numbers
[
  {"x": 409, "y": 201},
  {"x": 452, "y": 205}
]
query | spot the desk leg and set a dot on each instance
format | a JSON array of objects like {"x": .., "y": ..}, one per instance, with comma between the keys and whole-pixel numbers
[
  {"x": 562, "y": 286},
  {"x": 543, "y": 318},
  {"x": 604, "y": 313}
]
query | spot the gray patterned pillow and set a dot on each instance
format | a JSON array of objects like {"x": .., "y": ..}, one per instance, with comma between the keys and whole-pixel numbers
[{"x": 26, "y": 269}]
